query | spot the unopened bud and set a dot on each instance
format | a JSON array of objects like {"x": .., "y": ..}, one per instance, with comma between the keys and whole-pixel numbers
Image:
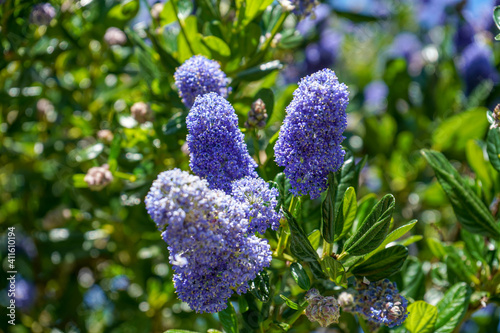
[
  {"x": 324, "y": 310},
  {"x": 257, "y": 116},
  {"x": 115, "y": 36},
  {"x": 141, "y": 112},
  {"x": 156, "y": 10},
  {"x": 105, "y": 135},
  {"x": 98, "y": 177}
]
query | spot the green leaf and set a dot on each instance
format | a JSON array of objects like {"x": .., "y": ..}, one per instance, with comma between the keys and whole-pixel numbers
[
  {"x": 452, "y": 308},
  {"x": 260, "y": 71},
  {"x": 300, "y": 276},
  {"x": 260, "y": 287},
  {"x": 350, "y": 208},
  {"x": 291, "y": 304},
  {"x": 453, "y": 133},
  {"x": 217, "y": 46},
  {"x": 496, "y": 16},
  {"x": 383, "y": 264},
  {"x": 267, "y": 96},
  {"x": 89, "y": 153},
  {"x": 284, "y": 188},
  {"x": 315, "y": 238},
  {"x": 394, "y": 235},
  {"x": 471, "y": 212},
  {"x": 474, "y": 245},
  {"x": 179, "y": 331},
  {"x": 436, "y": 248},
  {"x": 124, "y": 11},
  {"x": 114, "y": 153},
  {"x": 328, "y": 210},
  {"x": 282, "y": 101},
  {"x": 251, "y": 39},
  {"x": 348, "y": 176},
  {"x": 413, "y": 278},
  {"x": 459, "y": 268},
  {"x": 228, "y": 319},
  {"x": 493, "y": 147},
  {"x": 475, "y": 158},
  {"x": 422, "y": 317},
  {"x": 410, "y": 240},
  {"x": 497, "y": 37},
  {"x": 300, "y": 246},
  {"x": 79, "y": 182},
  {"x": 251, "y": 9},
  {"x": 335, "y": 270},
  {"x": 374, "y": 228}
]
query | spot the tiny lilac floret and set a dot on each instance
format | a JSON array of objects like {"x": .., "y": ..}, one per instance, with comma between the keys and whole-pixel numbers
[
  {"x": 217, "y": 150},
  {"x": 309, "y": 143},
  {"x": 199, "y": 76}
]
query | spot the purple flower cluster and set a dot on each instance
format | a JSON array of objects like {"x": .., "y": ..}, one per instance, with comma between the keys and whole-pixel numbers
[
  {"x": 380, "y": 303},
  {"x": 217, "y": 150},
  {"x": 303, "y": 8},
  {"x": 42, "y": 14},
  {"x": 211, "y": 248},
  {"x": 324, "y": 310},
  {"x": 477, "y": 65},
  {"x": 309, "y": 144},
  {"x": 199, "y": 76},
  {"x": 260, "y": 201}
]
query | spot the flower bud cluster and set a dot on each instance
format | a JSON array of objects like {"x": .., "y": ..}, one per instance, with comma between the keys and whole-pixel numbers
[
  {"x": 98, "y": 177},
  {"x": 141, "y": 112},
  {"x": 257, "y": 115},
  {"x": 380, "y": 302},
  {"x": 115, "y": 36},
  {"x": 324, "y": 310}
]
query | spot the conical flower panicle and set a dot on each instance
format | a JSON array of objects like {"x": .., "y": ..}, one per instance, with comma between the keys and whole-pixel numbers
[
  {"x": 217, "y": 150},
  {"x": 309, "y": 143}
]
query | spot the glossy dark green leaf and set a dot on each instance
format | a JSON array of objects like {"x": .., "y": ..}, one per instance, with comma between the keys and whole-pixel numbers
[
  {"x": 350, "y": 207},
  {"x": 267, "y": 96},
  {"x": 315, "y": 238},
  {"x": 260, "y": 71},
  {"x": 471, "y": 212},
  {"x": 251, "y": 38},
  {"x": 393, "y": 236},
  {"x": 284, "y": 189},
  {"x": 374, "y": 228},
  {"x": 335, "y": 270},
  {"x": 452, "y": 308},
  {"x": 217, "y": 46},
  {"x": 348, "y": 176},
  {"x": 383, "y": 264},
  {"x": 260, "y": 287},
  {"x": 496, "y": 16},
  {"x": 89, "y": 153},
  {"x": 228, "y": 319},
  {"x": 301, "y": 248},
  {"x": 413, "y": 278},
  {"x": 474, "y": 244},
  {"x": 291, "y": 304},
  {"x": 460, "y": 269},
  {"x": 422, "y": 317},
  {"x": 493, "y": 147},
  {"x": 300, "y": 276},
  {"x": 328, "y": 210}
]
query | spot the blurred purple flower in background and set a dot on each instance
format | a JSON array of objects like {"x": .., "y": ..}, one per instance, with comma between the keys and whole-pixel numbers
[
  {"x": 25, "y": 293},
  {"x": 476, "y": 65},
  {"x": 95, "y": 298},
  {"x": 42, "y": 14},
  {"x": 376, "y": 96}
]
